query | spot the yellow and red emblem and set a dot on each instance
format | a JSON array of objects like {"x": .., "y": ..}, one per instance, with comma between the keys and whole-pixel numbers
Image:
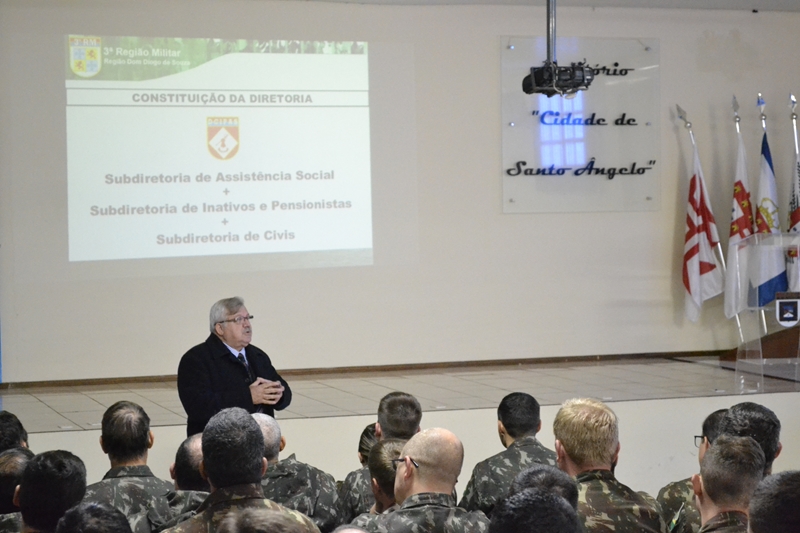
[
  {"x": 223, "y": 136},
  {"x": 85, "y": 55}
]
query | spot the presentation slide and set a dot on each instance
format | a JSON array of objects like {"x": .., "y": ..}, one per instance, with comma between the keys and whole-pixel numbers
[{"x": 202, "y": 147}]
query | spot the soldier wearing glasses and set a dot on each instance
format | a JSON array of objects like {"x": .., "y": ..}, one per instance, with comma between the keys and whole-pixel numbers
[
  {"x": 677, "y": 498},
  {"x": 424, "y": 485},
  {"x": 227, "y": 371}
]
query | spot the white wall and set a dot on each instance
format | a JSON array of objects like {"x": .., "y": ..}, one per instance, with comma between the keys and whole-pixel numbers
[
  {"x": 656, "y": 436},
  {"x": 475, "y": 285}
]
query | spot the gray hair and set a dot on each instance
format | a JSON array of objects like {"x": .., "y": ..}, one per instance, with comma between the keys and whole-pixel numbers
[
  {"x": 233, "y": 449},
  {"x": 272, "y": 435},
  {"x": 222, "y": 309}
]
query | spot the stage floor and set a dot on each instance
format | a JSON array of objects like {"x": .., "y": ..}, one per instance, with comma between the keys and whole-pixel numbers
[{"x": 58, "y": 408}]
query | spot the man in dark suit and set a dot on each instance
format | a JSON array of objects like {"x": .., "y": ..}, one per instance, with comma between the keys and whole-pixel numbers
[{"x": 227, "y": 371}]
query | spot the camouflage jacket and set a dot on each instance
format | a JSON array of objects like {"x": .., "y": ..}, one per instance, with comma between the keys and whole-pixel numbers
[
  {"x": 355, "y": 495},
  {"x": 133, "y": 490},
  {"x": 430, "y": 512},
  {"x": 727, "y": 522},
  {"x": 492, "y": 478},
  {"x": 10, "y": 523},
  {"x": 223, "y": 501},
  {"x": 677, "y": 505},
  {"x": 365, "y": 520},
  {"x": 183, "y": 505},
  {"x": 302, "y": 487},
  {"x": 607, "y": 506}
]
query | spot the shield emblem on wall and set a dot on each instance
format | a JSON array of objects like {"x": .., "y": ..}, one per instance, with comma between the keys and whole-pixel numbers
[
  {"x": 85, "y": 55},
  {"x": 223, "y": 136}
]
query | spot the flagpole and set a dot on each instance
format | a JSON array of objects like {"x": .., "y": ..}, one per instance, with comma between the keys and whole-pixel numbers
[
  {"x": 736, "y": 119},
  {"x": 793, "y": 104},
  {"x": 795, "y": 250},
  {"x": 762, "y": 105}
]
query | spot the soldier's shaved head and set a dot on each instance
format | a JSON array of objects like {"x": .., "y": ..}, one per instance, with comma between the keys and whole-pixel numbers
[
  {"x": 439, "y": 454},
  {"x": 399, "y": 414},
  {"x": 233, "y": 449}
]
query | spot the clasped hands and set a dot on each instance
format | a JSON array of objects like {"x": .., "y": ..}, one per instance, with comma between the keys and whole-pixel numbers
[{"x": 266, "y": 392}]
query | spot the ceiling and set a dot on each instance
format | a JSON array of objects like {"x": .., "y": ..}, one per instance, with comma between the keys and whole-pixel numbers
[{"x": 736, "y": 5}]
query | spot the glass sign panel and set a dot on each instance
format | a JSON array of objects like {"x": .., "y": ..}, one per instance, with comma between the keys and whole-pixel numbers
[{"x": 597, "y": 151}]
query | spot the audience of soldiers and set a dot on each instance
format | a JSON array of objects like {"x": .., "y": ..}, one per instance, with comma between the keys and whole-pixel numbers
[
  {"x": 399, "y": 415},
  {"x": 230, "y": 478}
]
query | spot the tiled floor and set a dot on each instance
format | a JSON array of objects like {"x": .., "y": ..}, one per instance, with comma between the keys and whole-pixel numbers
[{"x": 49, "y": 409}]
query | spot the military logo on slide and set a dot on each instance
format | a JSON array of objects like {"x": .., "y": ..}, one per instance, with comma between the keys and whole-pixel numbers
[
  {"x": 85, "y": 55},
  {"x": 223, "y": 136}
]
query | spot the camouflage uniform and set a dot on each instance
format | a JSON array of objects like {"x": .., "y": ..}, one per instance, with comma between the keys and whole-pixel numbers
[
  {"x": 183, "y": 505},
  {"x": 727, "y": 522},
  {"x": 302, "y": 487},
  {"x": 133, "y": 490},
  {"x": 492, "y": 478},
  {"x": 605, "y": 505},
  {"x": 430, "y": 512},
  {"x": 10, "y": 523},
  {"x": 366, "y": 520},
  {"x": 678, "y": 507},
  {"x": 355, "y": 495},
  {"x": 223, "y": 501}
]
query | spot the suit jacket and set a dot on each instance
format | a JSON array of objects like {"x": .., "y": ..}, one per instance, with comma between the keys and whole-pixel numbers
[{"x": 210, "y": 379}]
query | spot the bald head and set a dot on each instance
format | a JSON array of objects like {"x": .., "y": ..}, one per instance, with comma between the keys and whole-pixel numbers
[
  {"x": 439, "y": 454},
  {"x": 272, "y": 435}
]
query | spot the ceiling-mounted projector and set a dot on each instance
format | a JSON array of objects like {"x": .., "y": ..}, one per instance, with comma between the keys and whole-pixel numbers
[{"x": 550, "y": 79}]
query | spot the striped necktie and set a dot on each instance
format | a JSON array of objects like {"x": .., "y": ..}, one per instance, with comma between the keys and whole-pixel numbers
[{"x": 240, "y": 356}]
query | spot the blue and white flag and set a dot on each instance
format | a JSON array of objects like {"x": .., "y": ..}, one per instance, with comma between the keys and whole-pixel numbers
[{"x": 770, "y": 277}]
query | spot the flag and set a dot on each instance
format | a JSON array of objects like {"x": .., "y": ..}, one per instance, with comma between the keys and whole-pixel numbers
[
  {"x": 771, "y": 275},
  {"x": 741, "y": 228},
  {"x": 792, "y": 260},
  {"x": 702, "y": 275}
]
